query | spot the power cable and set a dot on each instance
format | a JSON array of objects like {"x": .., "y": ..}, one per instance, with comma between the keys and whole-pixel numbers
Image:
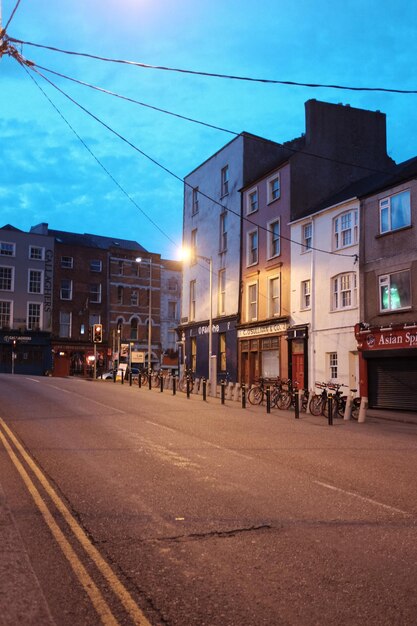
[
  {"x": 12, "y": 15},
  {"x": 98, "y": 160},
  {"x": 213, "y": 74},
  {"x": 168, "y": 171}
]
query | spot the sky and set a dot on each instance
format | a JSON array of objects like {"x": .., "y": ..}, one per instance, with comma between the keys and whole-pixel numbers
[{"x": 61, "y": 166}]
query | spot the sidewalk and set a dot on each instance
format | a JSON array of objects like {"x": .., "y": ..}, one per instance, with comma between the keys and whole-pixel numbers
[{"x": 392, "y": 415}]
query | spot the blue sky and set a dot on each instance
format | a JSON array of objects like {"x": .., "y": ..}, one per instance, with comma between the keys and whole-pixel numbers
[{"x": 47, "y": 175}]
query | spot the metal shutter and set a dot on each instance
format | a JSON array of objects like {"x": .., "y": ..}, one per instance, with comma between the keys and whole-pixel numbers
[{"x": 393, "y": 383}]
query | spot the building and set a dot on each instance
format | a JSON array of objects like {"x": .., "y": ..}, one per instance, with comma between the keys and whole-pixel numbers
[
  {"x": 212, "y": 229},
  {"x": 387, "y": 332},
  {"x": 171, "y": 280},
  {"x": 26, "y": 282}
]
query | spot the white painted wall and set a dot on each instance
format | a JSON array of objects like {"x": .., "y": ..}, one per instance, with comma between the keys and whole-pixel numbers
[{"x": 329, "y": 330}]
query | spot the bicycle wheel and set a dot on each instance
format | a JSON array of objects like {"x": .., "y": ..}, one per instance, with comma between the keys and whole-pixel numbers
[
  {"x": 274, "y": 396},
  {"x": 316, "y": 406},
  {"x": 143, "y": 378},
  {"x": 335, "y": 406},
  {"x": 156, "y": 380},
  {"x": 255, "y": 395},
  {"x": 356, "y": 404},
  {"x": 284, "y": 400}
]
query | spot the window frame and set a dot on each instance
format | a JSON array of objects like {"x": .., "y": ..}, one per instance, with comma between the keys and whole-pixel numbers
[
  {"x": 98, "y": 293},
  {"x": 193, "y": 246},
  {"x": 337, "y": 291},
  {"x": 61, "y": 289},
  {"x": 99, "y": 263},
  {"x": 271, "y": 298},
  {"x": 333, "y": 365},
  {"x": 305, "y": 301},
  {"x": 387, "y": 200},
  {"x": 270, "y": 241},
  {"x": 223, "y": 232},
  {"x": 307, "y": 248},
  {"x": 252, "y": 206},
  {"x": 10, "y": 314},
  {"x": 192, "y": 300},
  {"x": 252, "y": 303},
  {"x": 12, "y": 276},
  {"x": 221, "y": 294},
  {"x": 29, "y": 325},
  {"x": 380, "y": 285},
  {"x": 31, "y": 271},
  {"x": 3, "y": 250},
  {"x": 250, "y": 249},
  {"x": 339, "y": 232},
  {"x": 68, "y": 263},
  {"x": 66, "y": 324},
  {"x": 194, "y": 201},
  {"x": 270, "y": 190},
  {"x": 224, "y": 181},
  {"x": 36, "y": 258}
]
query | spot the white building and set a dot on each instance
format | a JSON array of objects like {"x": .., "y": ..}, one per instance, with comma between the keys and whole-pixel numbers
[{"x": 325, "y": 290}]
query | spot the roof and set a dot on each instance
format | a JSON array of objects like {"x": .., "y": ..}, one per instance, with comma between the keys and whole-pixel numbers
[{"x": 94, "y": 241}]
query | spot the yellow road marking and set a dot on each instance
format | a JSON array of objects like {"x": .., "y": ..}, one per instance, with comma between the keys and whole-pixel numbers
[
  {"x": 86, "y": 581},
  {"x": 118, "y": 588}
]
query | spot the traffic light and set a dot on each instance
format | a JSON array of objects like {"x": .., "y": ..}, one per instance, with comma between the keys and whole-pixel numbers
[{"x": 98, "y": 333}]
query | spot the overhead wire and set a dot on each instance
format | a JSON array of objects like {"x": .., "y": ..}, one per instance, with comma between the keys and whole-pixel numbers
[
  {"x": 170, "y": 172},
  {"x": 12, "y": 15},
  {"x": 214, "y": 74}
]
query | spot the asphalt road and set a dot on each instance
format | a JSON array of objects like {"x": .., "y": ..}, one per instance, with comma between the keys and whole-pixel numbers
[{"x": 133, "y": 506}]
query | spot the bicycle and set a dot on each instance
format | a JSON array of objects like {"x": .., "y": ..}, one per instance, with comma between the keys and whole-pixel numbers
[
  {"x": 182, "y": 383},
  {"x": 318, "y": 400},
  {"x": 257, "y": 393}
]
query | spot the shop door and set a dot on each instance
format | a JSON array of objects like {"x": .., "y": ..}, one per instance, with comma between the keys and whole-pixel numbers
[
  {"x": 298, "y": 369},
  {"x": 244, "y": 375},
  {"x": 393, "y": 383}
]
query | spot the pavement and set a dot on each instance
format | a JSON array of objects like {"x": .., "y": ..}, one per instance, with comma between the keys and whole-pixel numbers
[{"x": 21, "y": 598}]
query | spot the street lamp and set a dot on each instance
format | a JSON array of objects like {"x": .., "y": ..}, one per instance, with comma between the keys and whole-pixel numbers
[
  {"x": 139, "y": 260},
  {"x": 187, "y": 254}
]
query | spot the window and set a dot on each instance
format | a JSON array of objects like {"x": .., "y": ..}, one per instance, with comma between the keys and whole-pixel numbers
[
  {"x": 252, "y": 248},
  {"x": 134, "y": 298},
  {"x": 252, "y": 305},
  {"x": 36, "y": 253},
  {"x": 395, "y": 291},
  {"x": 193, "y": 353},
  {"x": 172, "y": 340},
  {"x": 172, "y": 310},
  {"x": 66, "y": 289},
  {"x": 172, "y": 284},
  {"x": 307, "y": 230},
  {"x": 34, "y": 316},
  {"x": 252, "y": 201},
  {"x": 345, "y": 229},
  {"x": 35, "y": 281},
  {"x": 64, "y": 324},
  {"x": 194, "y": 209},
  {"x": 95, "y": 266},
  {"x": 95, "y": 293},
  {"x": 274, "y": 297},
  {"x": 224, "y": 188},
  {"x": 394, "y": 212},
  {"x": 274, "y": 188},
  {"x": 333, "y": 365},
  {"x": 344, "y": 291},
  {"x": 193, "y": 246},
  {"x": 120, "y": 268},
  {"x": 134, "y": 328},
  {"x": 7, "y": 248},
  {"x": 222, "y": 351},
  {"x": 192, "y": 300},
  {"x": 274, "y": 242},
  {"x": 119, "y": 295},
  {"x": 305, "y": 294},
  {"x": 223, "y": 232},
  {"x": 67, "y": 262},
  {"x": 6, "y": 278},
  {"x": 5, "y": 314},
  {"x": 222, "y": 293}
]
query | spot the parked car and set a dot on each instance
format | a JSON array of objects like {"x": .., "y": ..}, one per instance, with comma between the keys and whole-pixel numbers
[{"x": 109, "y": 375}]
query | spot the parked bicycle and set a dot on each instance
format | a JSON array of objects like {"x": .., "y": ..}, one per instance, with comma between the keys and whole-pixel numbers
[
  {"x": 318, "y": 400},
  {"x": 182, "y": 383},
  {"x": 257, "y": 393}
]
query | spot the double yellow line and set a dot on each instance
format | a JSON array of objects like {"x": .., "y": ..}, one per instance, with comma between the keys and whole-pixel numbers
[{"x": 102, "y": 608}]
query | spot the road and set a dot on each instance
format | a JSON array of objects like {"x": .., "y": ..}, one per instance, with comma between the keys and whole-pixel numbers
[{"x": 136, "y": 507}]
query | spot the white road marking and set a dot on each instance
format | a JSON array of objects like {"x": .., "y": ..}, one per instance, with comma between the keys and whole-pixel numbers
[
  {"x": 356, "y": 495},
  {"x": 33, "y": 380}
]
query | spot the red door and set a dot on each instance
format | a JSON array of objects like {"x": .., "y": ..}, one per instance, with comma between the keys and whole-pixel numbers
[{"x": 298, "y": 370}]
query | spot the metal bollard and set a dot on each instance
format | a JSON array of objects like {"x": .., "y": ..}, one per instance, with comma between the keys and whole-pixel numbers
[
  {"x": 123, "y": 377},
  {"x": 243, "y": 396},
  {"x": 114, "y": 375},
  {"x": 222, "y": 388},
  {"x": 161, "y": 384},
  {"x": 268, "y": 399},
  {"x": 130, "y": 379},
  {"x": 150, "y": 380},
  {"x": 174, "y": 385},
  {"x": 204, "y": 389},
  {"x": 140, "y": 380},
  {"x": 330, "y": 408},
  {"x": 188, "y": 387},
  {"x": 297, "y": 403}
]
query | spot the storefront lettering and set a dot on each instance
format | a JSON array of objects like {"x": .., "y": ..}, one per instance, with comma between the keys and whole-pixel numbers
[
  {"x": 408, "y": 339},
  {"x": 411, "y": 338},
  {"x": 48, "y": 281},
  {"x": 203, "y": 330},
  {"x": 262, "y": 330}
]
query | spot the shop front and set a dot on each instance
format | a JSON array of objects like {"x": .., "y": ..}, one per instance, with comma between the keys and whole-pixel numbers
[
  {"x": 297, "y": 337},
  {"x": 78, "y": 359},
  {"x": 262, "y": 351},
  {"x": 388, "y": 366},
  {"x": 25, "y": 353}
]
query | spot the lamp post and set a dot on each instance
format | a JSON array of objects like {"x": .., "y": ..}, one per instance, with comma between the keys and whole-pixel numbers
[{"x": 139, "y": 260}]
